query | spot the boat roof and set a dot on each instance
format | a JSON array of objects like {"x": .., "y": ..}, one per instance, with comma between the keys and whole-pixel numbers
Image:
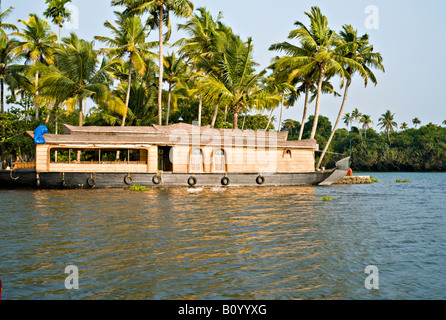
[
  {"x": 175, "y": 134},
  {"x": 176, "y": 129}
]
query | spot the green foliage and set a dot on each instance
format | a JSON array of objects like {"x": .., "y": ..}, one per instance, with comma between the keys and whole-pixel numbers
[
  {"x": 326, "y": 198},
  {"x": 402, "y": 181},
  {"x": 138, "y": 187},
  {"x": 422, "y": 149}
]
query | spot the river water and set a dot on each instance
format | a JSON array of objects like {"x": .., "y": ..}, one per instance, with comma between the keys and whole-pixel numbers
[{"x": 235, "y": 243}]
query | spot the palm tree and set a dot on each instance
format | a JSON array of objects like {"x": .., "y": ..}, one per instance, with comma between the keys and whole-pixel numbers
[
  {"x": 36, "y": 47},
  {"x": 366, "y": 122},
  {"x": 357, "y": 49},
  {"x": 79, "y": 76},
  {"x": 174, "y": 74},
  {"x": 289, "y": 125},
  {"x": 201, "y": 47},
  {"x": 236, "y": 85},
  {"x": 444, "y": 122},
  {"x": 8, "y": 26},
  {"x": 57, "y": 12},
  {"x": 277, "y": 84},
  {"x": 315, "y": 53},
  {"x": 356, "y": 116},
  {"x": 386, "y": 121},
  {"x": 347, "y": 119},
  {"x": 416, "y": 122},
  {"x": 404, "y": 126},
  {"x": 129, "y": 39},
  {"x": 11, "y": 73},
  {"x": 160, "y": 15}
]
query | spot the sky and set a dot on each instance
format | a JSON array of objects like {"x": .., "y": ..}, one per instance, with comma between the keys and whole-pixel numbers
[{"x": 410, "y": 35}]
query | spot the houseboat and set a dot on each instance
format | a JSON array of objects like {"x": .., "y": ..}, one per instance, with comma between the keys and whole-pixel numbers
[{"x": 175, "y": 155}]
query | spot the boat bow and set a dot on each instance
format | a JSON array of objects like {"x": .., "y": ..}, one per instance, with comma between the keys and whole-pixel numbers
[{"x": 340, "y": 171}]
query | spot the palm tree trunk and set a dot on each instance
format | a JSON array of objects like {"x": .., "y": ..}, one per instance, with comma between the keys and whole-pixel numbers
[
  {"x": 235, "y": 122},
  {"x": 127, "y": 98},
  {"x": 214, "y": 117},
  {"x": 169, "y": 96},
  {"x": 36, "y": 106},
  {"x": 244, "y": 120},
  {"x": 81, "y": 117},
  {"x": 161, "y": 66},
  {"x": 304, "y": 116},
  {"x": 226, "y": 112},
  {"x": 200, "y": 106},
  {"x": 281, "y": 114},
  {"x": 269, "y": 119},
  {"x": 335, "y": 126},
  {"x": 318, "y": 102},
  {"x": 49, "y": 112},
  {"x": 2, "y": 150},
  {"x": 2, "y": 84}
]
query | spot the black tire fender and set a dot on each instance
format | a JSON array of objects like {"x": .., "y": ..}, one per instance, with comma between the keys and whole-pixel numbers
[
  {"x": 192, "y": 181},
  {"x": 128, "y": 180},
  {"x": 225, "y": 181},
  {"x": 260, "y": 179},
  {"x": 156, "y": 179},
  {"x": 91, "y": 182}
]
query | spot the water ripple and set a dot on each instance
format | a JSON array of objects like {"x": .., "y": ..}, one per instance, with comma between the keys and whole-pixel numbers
[{"x": 227, "y": 243}]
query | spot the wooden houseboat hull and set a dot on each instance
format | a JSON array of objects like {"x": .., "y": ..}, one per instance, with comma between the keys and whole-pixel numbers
[
  {"x": 176, "y": 155},
  {"x": 28, "y": 178}
]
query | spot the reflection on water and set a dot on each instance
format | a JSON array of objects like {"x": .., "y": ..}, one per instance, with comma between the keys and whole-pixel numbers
[{"x": 234, "y": 243}]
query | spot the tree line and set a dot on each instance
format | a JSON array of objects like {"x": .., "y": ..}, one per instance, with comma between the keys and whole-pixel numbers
[{"x": 209, "y": 76}]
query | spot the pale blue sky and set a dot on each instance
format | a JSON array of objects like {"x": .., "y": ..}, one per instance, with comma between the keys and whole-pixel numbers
[{"x": 410, "y": 37}]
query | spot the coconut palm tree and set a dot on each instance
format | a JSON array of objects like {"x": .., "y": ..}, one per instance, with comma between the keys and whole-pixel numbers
[
  {"x": 404, "y": 126},
  {"x": 289, "y": 125},
  {"x": 315, "y": 53},
  {"x": 366, "y": 122},
  {"x": 80, "y": 75},
  {"x": 206, "y": 35},
  {"x": 129, "y": 40},
  {"x": 416, "y": 122},
  {"x": 444, "y": 122},
  {"x": 36, "y": 47},
  {"x": 356, "y": 48},
  {"x": 347, "y": 119},
  {"x": 175, "y": 71},
  {"x": 11, "y": 73},
  {"x": 159, "y": 11},
  {"x": 356, "y": 116},
  {"x": 237, "y": 85},
  {"x": 6, "y": 26},
  {"x": 387, "y": 122},
  {"x": 58, "y": 13}
]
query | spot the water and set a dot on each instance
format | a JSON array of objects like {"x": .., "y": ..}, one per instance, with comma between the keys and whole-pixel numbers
[{"x": 215, "y": 243}]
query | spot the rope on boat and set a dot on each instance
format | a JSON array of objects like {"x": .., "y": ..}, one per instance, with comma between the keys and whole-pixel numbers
[{"x": 10, "y": 174}]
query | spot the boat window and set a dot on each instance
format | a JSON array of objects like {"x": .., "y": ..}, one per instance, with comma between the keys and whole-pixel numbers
[
  {"x": 219, "y": 161},
  {"x": 98, "y": 156},
  {"x": 287, "y": 154},
  {"x": 196, "y": 160}
]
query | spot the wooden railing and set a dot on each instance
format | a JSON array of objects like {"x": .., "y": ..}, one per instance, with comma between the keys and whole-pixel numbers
[{"x": 23, "y": 165}]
